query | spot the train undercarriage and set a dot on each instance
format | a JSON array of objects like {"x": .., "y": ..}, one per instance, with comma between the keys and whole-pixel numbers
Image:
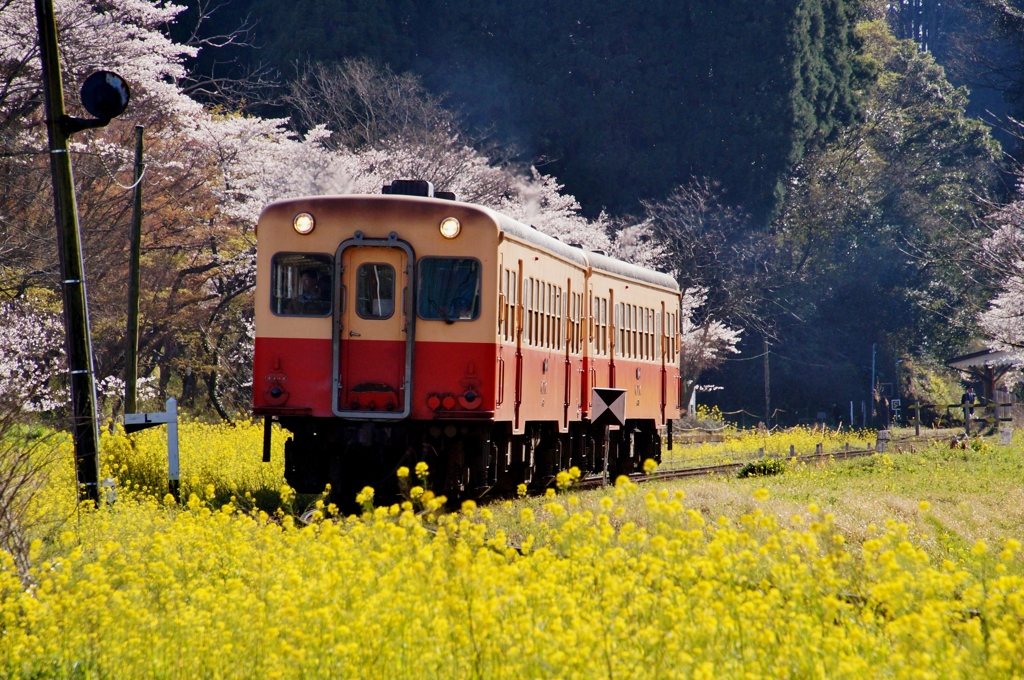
[{"x": 466, "y": 459}]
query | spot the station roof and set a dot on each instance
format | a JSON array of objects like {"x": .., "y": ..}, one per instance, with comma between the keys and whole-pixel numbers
[{"x": 992, "y": 358}]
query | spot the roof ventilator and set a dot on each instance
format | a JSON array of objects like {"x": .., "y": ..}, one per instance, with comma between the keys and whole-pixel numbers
[{"x": 416, "y": 187}]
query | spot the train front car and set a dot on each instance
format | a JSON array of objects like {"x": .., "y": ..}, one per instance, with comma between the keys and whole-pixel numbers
[{"x": 374, "y": 344}]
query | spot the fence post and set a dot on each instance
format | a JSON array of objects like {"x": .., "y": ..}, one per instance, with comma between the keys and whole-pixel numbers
[
  {"x": 134, "y": 422},
  {"x": 917, "y": 417},
  {"x": 173, "y": 474}
]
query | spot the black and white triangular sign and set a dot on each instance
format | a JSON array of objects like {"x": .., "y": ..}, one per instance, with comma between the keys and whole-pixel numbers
[{"x": 608, "y": 406}]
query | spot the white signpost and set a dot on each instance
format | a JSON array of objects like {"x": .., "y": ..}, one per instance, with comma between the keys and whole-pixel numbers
[
  {"x": 607, "y": 408},
  {"x": 133, "y": 422}
]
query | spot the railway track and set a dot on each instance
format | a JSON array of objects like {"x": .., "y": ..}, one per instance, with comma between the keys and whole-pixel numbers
[{"x": 725, "y": 468}]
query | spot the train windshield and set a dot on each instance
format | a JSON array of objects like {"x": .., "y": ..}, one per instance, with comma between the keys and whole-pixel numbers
[
  {"x": 449, "y": 289},
  {"x": 375, "y": 291},
  {"x": 301, "y": 284}
]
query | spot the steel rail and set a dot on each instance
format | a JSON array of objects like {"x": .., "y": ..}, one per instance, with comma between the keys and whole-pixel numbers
[{"x": 594, "y": 481}]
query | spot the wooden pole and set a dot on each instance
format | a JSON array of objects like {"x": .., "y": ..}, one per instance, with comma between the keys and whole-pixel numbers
[
  {"x": 131, "y": 354},
  {"x": 917, "y": 417},
  {"x": 69, "y": 248},
  {"x": 607, "y": 436},
  {"x": 767, "y": 389}
]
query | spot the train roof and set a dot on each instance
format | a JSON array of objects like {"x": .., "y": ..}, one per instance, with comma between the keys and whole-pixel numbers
[
  {"x": 523, "y": 232},
  {"x": 586, "y": 258}
]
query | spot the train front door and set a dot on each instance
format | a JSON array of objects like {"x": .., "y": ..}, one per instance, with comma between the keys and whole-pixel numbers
[{"x": 374, "y": 329}]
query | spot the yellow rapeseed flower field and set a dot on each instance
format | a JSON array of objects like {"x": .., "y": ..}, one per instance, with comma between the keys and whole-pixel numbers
[{"x": 221, "y": 589}]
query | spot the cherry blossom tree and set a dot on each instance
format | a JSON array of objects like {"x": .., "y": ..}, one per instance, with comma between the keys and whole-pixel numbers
[
  {"x": 31, "y": 356},
  {"x": 1003, "y": 252},
  {"x": 210, "y": 171}
]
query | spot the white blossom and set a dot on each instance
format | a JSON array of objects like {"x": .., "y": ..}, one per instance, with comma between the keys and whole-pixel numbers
[{"x": 32, "y": 359}]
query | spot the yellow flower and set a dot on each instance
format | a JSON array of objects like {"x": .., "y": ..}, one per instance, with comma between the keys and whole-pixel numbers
[
  {"x": 365, "y": 497},
  {"x": 421, "y": 470},
  {"x": 761, "y": 494},
  {"x": 650, "y": 465},
  {"x": 402, "y": 472},
  {"x": 924, "y": 506}
]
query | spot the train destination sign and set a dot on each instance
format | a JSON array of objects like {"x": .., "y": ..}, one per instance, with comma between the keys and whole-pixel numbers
[{"x": 608, "y": 406}]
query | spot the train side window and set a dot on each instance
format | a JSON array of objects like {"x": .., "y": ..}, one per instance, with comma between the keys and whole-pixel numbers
[
  {"x": 577, "y": 303},
  {"x": 573, "y": 322},
  {"x": 629, "y": 331},
  {"x": 654, "y": 334},
  {"x": 513, "y": 290},
  {"x": 449, "y": 289},
  {"x": 619, "y": 315},
  {"x": 675, "y": 331},
  {"x": 647, "y": 334},
  {"x": 549, "y": 315},
  {"x": 301, "y": 284},
  {"x": 650, "y": 334},
  {"x": 375, "y": 291},
  {"x": 603, "y": 318},
  {"x": 503, "y": 303},
  {"x": 624, "y": 335},
  {"x": 542, "y": 317},
  {"x": 658, "y": 330},
  {"x": 546, "y": 302},
  {"x": 634, "y": 313},
  {"x": 508, "y": 308},
  {"x": 579, "y": 322},
  {"x": 538, "y": 338},
  {"x": 624, "y": 330},
  {"x": 635, "y": 317},
  {"x": 528, "y": 304},
  {"x": 560, "y": 307},
  {"x": 641, "y": 321}
]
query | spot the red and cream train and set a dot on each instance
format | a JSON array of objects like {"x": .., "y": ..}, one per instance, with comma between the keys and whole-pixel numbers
[{"x": 397, "y": 328}]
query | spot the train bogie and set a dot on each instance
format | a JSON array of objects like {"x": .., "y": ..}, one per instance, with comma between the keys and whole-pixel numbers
[{"x": 398, "y": 329}]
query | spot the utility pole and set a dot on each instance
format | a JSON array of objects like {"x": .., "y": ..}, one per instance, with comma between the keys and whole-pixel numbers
[
  {"x": 72, "y": 270},
  {"x": 131, "y": 354},
  {"x": 767, "y": 389},
  {"x": 874, "y": 411},
  {"x": 105, "y": 95}
]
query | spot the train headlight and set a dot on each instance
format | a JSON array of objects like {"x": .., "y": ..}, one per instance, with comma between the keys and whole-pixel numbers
[
  {"x": 450, "y": 227},
  {"x": 303, "y": 223}
]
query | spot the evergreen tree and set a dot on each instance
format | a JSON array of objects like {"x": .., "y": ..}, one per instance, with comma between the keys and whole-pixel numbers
[{"x": 625, "y": 99}]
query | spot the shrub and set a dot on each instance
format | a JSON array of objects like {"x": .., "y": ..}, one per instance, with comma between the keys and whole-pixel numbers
[{"x": 763, "y": 467}]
